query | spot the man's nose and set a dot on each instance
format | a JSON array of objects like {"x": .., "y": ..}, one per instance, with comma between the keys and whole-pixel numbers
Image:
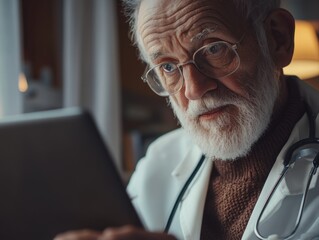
[{"x": 196, "y": 84}]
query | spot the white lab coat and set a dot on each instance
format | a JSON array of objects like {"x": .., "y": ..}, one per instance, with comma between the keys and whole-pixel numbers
[{"x": 169, "y": 161}]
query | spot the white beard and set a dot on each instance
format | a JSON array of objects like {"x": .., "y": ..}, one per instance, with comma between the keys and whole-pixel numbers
[{"x": 230, "y": 135}]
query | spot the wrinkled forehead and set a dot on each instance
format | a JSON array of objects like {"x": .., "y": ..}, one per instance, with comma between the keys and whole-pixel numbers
[
  {"x": 186, "y": 15},
  {"x": 186, "y": 18}
]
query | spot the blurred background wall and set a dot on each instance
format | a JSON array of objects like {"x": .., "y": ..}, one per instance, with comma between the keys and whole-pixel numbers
[{"x": 305, "y": 62}]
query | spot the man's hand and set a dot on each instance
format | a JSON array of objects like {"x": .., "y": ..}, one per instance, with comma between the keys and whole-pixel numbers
[
  {"x": 84, "y": 234},
  {"x": 122, "y": 233}
]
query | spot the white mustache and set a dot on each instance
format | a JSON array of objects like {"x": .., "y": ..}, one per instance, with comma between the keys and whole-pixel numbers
[
  {"x": 196, "y": 108},
  {"x": 211, "y": 103}
]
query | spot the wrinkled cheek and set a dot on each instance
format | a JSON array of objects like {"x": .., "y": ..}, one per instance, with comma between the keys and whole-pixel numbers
[
  {"x": 179, "y": 112},
  {"x": 180, "y": 100},
  {"x": 243, "y": 83}
]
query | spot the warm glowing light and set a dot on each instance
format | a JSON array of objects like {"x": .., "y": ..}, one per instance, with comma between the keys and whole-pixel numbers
[
  {"x": 23, "y": 83},
  {"x": 305, "y": 61}
]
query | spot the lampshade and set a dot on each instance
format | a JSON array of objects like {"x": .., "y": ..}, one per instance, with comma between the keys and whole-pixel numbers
[{"x": 305, "y": 61}]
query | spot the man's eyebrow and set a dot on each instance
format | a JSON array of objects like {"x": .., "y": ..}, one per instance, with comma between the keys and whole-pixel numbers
[
  {"x": 198, "y": 36},
  {"x": 155, "y": 55},
  {"x": 203, "y": 33}
]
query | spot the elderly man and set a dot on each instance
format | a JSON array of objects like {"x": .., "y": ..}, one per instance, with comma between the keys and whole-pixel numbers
[{"x": 220, "y": 64}]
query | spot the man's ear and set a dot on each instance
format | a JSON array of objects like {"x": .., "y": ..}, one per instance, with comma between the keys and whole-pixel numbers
[{"x": 280, "y": 30}]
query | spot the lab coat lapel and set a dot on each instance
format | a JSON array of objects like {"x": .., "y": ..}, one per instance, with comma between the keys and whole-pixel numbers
[{"x": 192, "y": 205}]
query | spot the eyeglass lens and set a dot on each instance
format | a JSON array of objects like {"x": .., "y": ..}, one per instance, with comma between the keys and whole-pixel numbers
[{"x": 215, "y": 60}]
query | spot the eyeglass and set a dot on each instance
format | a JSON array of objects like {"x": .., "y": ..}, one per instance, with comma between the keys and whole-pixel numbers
[{"x": 215, "y": 60}]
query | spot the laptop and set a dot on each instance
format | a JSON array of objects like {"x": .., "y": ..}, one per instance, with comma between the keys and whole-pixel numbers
[{"x": 56, "y": 174}]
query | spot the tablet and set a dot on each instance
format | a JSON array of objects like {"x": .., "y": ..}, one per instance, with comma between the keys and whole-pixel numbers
[{"x": 56, "y": 174}]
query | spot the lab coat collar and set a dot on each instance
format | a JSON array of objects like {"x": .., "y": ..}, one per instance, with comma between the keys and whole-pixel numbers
[
  {"x": 292, "y": 184},
  {"x": 192, "y": 205},
  {"x": 308, "y": 93},
  {"x": 183, "y": 170}
]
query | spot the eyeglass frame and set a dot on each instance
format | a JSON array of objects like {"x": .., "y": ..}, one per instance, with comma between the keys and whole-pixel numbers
[{"x": 233, "y": 46}]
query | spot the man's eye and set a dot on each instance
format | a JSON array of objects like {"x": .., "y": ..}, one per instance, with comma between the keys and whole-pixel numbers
[
  {"x": 215, "y": 49},
  {"x": 168, "y": 67}
]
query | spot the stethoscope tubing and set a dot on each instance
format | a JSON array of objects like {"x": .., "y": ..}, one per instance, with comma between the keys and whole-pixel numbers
[{"x": 182, "y": 193}]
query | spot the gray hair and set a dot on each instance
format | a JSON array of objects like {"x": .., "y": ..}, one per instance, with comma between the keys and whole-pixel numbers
[{"x": 255, "y": 11}]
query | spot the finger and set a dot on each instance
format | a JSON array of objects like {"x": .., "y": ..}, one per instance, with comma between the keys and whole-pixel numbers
[
  {"x": 119, "y": 233},
  {"x": 132, "y": 233},
  {"x": 84, "y": 234}
]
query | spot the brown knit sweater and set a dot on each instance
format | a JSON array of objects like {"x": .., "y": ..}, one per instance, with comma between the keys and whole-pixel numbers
[{"x": 235, "y": 186}]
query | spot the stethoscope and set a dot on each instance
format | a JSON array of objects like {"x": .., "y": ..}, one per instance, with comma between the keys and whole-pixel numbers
[{"x": 306, "y": 149}]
